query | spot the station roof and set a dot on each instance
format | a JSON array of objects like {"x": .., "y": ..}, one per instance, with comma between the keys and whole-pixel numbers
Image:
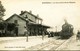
[{"x": 39, "y": 25}]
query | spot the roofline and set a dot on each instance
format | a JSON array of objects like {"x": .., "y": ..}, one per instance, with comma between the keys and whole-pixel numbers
[
  {"x": 15, "y": 15},
  {"x": 31, "y": 14}
]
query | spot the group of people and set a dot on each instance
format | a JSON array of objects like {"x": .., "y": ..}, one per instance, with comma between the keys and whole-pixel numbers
[
  {"x": 50, "y": 34},
  {"x": 78, "y": 35}
]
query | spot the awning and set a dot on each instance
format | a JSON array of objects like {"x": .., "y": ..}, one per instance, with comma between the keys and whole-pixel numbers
[{"x": 38, "y": 25}]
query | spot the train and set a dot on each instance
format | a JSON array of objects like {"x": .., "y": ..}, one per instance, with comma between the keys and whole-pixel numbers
[{"x": 67, "y": 31}]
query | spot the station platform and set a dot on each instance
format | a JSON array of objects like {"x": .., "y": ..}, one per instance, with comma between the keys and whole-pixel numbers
[{"x": 20, "y": 43}]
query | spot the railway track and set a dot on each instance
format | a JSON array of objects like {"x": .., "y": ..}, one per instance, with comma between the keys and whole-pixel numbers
[
  {"x": 50, "y": 45},
  {"x": 66, "y": 43},
  {"x": 47, "y": 46}
]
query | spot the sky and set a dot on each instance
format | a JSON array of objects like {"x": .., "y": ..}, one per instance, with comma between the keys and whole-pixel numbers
[{"x": 53, "y": 14}]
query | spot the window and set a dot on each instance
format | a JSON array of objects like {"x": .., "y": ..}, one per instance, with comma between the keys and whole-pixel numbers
[
  {"x": 15, "y": 21},
  {"x": 26, "y": 16}
]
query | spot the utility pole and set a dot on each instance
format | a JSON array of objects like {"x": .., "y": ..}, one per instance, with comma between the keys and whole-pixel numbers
[
  {"x": 27, "y": 28},
  {"x": 56, "y": 28},
  {"x": 42, "y": 33},
  {"x": 27, "y": 36},
  {"x": 42, "y": 30}
]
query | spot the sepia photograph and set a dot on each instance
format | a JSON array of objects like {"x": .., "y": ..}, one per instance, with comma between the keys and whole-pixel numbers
[{"x": 27, "y": 25}]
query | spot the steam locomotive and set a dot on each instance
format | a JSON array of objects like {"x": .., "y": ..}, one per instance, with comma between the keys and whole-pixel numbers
[{"x": 67, "y": 31}]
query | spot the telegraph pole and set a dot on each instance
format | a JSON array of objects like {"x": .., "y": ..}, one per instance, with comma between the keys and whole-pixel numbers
[
  {"x": 42, "y": 33},
  {"x": 56, "y": 28},
  {"x": 27, "y": 28},
  {"x": 42, "y": 30}
]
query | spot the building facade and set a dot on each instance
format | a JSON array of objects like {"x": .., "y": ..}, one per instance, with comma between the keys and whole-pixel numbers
[{"x": 27, "y": 21}]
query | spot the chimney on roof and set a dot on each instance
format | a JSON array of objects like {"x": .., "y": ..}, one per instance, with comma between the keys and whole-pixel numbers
[
  {"x": 37, "y": 15},
  {"x": 30, "y": 11},
  {"x": 22, "y": 12}
]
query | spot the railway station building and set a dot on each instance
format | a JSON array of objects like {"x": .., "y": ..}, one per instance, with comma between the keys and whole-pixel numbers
[{"x": 28, "y": 21}]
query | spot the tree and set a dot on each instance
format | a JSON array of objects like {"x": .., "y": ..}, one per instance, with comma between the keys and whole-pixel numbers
[
  {"x": 1, "y": 28},
  {"x": 2, "y": 10},
  {"x": 10, "y": 27}
]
